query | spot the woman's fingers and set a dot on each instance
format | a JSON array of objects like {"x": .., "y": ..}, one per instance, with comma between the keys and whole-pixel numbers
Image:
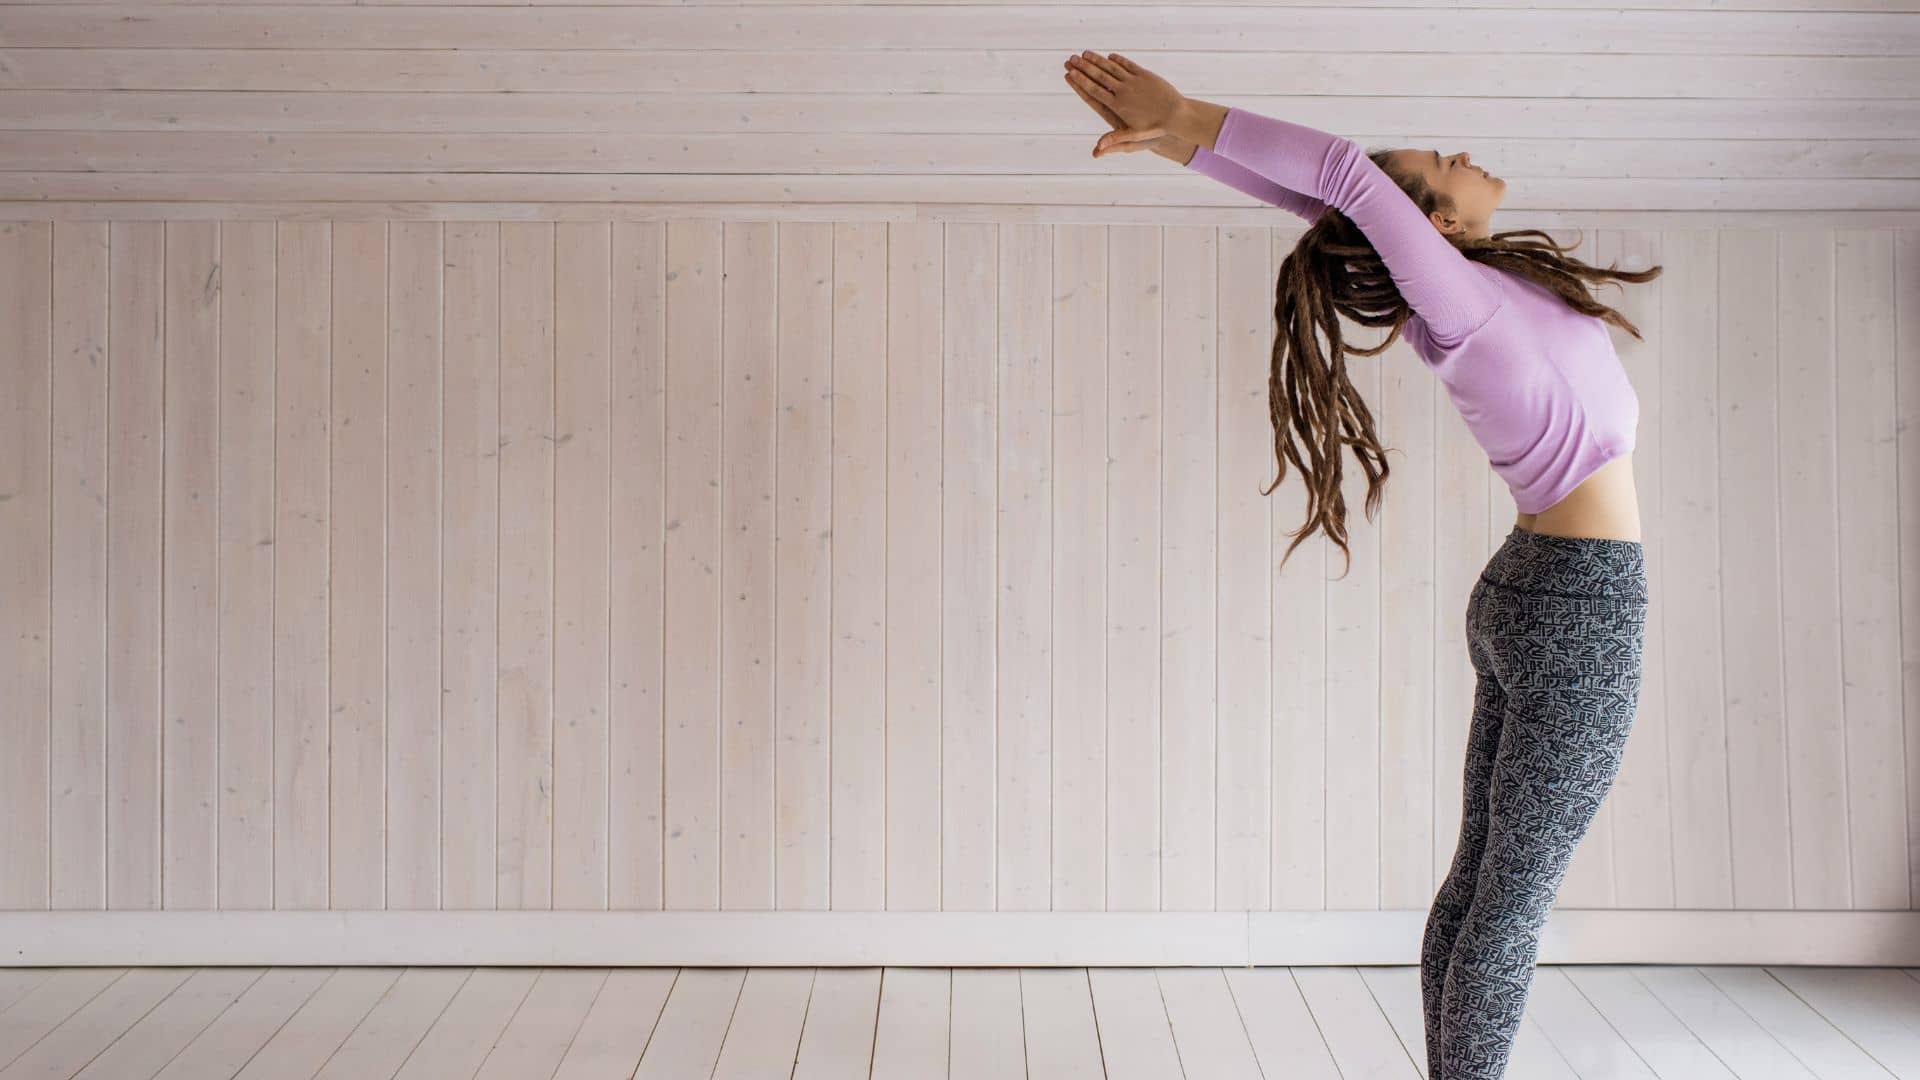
[
  {"x": 1105, "y": 113},
  {"x": 1095, "y": 73},
  {"x": 1101, "y": 81},
  {"x": 1112, "y": 75},
  {"x": 1140, "y": 98},
  {"x": 1092, "y": 87},
  {"x": 1087, "y": 89},
  {"x": 1126, "y": 141},
  {"x": 1131, "y": 67}
]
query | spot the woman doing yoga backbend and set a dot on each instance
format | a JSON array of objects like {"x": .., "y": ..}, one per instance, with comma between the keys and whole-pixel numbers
[{"x": 1400, "y": 238}]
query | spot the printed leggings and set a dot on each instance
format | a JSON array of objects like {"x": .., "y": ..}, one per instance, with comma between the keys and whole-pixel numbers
[{"x": 1554, "y": 632}]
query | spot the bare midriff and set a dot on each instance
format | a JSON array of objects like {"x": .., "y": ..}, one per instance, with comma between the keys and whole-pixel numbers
[{"x": 1605, "y": 506}]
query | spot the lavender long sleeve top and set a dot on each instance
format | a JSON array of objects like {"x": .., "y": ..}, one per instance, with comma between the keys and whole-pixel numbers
[{"x": 1538, "y": 383}]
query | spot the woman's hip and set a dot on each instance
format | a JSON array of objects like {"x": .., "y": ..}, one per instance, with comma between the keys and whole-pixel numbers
[
  {"x": 1551, "y": 611},
  {"x": 1590, "y": 568}
]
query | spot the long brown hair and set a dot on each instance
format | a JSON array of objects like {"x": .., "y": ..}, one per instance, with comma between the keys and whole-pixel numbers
[{"x": 1335, "y": 271}]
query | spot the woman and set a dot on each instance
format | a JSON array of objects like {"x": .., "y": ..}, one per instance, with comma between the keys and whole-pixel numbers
[{"x": 1555, "y": 622}]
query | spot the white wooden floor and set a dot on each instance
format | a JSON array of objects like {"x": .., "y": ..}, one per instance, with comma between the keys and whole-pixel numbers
[{"x": 1304, "y": 1023}]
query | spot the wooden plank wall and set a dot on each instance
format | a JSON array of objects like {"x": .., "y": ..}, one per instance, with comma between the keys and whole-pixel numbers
[
  {"x": 618, "y": 455},
  {"x": 1721, "y": 112},
  {"x": 747, "y": 564}
]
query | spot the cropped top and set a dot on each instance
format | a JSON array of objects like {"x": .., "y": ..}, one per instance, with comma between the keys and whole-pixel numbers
[{"x": 1538, "y": 383}]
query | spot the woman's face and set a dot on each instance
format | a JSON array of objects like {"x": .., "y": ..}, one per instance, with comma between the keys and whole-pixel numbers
[{"x": 1476, "y": 194}]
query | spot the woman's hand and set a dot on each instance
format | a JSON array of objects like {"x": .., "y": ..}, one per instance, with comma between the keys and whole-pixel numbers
[
  {"x": 1165, "y": 145},
  {"x": 1138, "y": 103}
]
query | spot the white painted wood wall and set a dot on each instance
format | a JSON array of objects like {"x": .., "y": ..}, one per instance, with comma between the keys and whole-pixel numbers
[
  {"x": 645, "y": 457},
  {"x": 1760, "y": 113},
  {"x": 743, "y": 565}
]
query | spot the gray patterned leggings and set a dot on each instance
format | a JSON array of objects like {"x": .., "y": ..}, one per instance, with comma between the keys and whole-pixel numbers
[{"x": 1554, "y": 630}]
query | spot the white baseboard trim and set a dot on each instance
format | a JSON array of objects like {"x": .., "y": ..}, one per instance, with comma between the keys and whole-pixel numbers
[
  {"x": 1608, "y": 936},
  {"x": 920, "y": 938}
]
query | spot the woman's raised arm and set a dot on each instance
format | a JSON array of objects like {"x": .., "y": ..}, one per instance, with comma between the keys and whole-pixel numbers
[
  {"x": 1243, "y": 179},
  {"x": 1438, "y": 282}
]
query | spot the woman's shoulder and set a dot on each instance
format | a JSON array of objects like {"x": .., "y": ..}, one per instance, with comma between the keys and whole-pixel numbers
[{"x": 1491, "y": 273}]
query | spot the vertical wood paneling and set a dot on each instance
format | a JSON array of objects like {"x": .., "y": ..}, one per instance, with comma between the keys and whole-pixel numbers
[
  {"x": 1865, "y": 407},
  {"x": 748, "y": 420},
  {"x": 308, "y": 553},
  {"x": 245, "y": 842},
  {"x": 852, "y": 507},
  {"x": 812, "y": 731},
  {"x": 1640, "y": 799},
  {"x": 1299, "y": 601},
  {"x": 1187, "y": 551},
  {"x": 1353, "y": 683},
  {"x": 1690, "y": 597},
  {"x": 78, "y": 412},
  {"x": 1906, "y": 331},
  {"x": 1133, "y": 415},
  {"x": 469, "y": 561},
  {"x": 524, "y": 864},
  {"x": 189, "y": 588},
  {"x": 1749, "y": 552},
  {"x": 303, "y": 320},
  {"x": 26, "y": 560},
  {"x": 638, "y": 497},
  {"x": 357, "y": 565},
  {"x": 413, "y": 616},
  {"x": 1243, "y": 875},
  {"x": 581, "y": 334},
  {"x": 911, "y": 479},
  {"x": 1079, "y": 463},
  {"x": 1810, "y": 574},
  {"x": 1023, "y": 516},
  {"x": 692, "y": 567},
  {"x": 135, "y": 401},
  {"x": 968, "y": 554},
  {"x": 1406, "y": 529}
]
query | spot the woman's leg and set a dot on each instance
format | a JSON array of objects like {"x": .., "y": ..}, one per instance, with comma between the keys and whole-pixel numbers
[
  {"x": 1455, "y": 895},
  {"x": 1571, "y": 667}
]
